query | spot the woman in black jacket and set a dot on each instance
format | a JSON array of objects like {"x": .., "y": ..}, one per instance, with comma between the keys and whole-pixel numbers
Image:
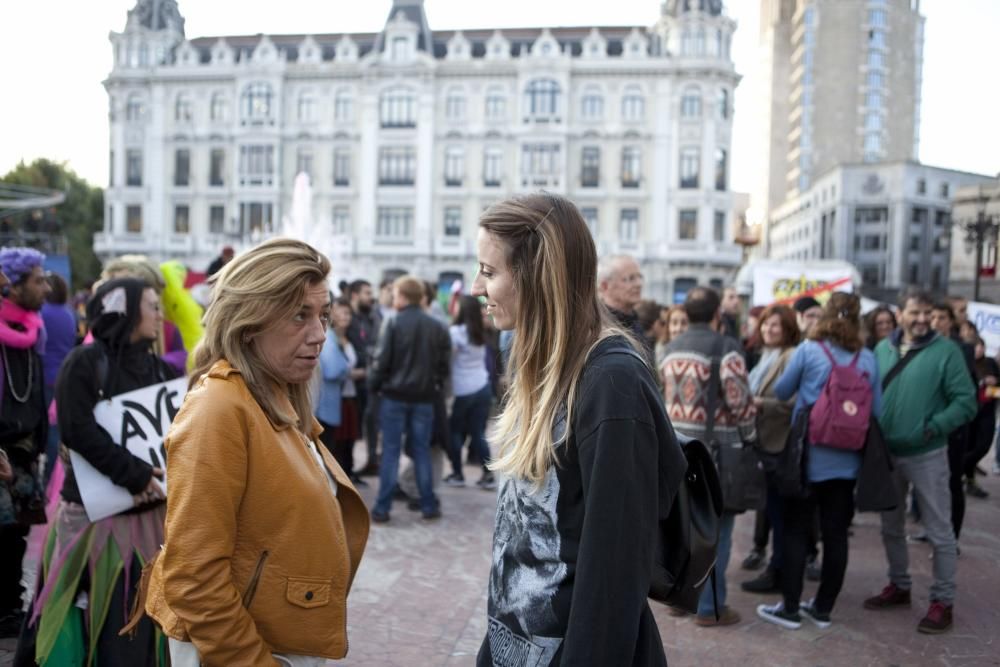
[{"x": 103, "y": 558}]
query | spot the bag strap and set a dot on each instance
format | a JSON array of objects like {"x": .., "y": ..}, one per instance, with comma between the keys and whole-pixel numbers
[
  {"x": 900, "y": 365},
  {"x": 713, "y": 389}
]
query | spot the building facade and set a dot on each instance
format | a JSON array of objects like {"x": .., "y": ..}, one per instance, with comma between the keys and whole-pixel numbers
[
  {"x": 891, "y": 220},
  {"x": 842, "y": 81},
  {"x": 407, "y": 134}
]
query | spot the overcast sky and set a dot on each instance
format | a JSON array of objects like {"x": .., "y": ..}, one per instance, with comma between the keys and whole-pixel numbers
[{"x": 55, "y": 53}]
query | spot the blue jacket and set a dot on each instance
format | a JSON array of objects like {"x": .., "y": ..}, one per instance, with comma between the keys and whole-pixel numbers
[
  {"x": 807, "y": 373},
  {"x": 333, "y": 364}
]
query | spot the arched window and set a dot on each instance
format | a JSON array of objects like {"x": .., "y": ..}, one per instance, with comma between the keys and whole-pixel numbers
[
  {"x": 592, "y": 104},
  {"x": 723, "y": 104},
  {"x": 135, "y": 108},
  {"x": 220, "y": 107},
  {"x": 633, "y": 104},
  {"x": 496, "y": 104},
  {"x": 182, "y": 108},
  {"x": 256, "y": 102},
  {"x": 454, "y": 104},
  {"x": 398, "y": 108},
  {"x": 541, "y": 98},
  {"x": 691, "y": 102},
  {"x": 307, "y": 107},
  {"x": 343, "y": 107}
]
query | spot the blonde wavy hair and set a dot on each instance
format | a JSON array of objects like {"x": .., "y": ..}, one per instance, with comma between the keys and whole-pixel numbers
[
  {"x": 559, "y": 319},
  {"x": 253, "y": 293}
]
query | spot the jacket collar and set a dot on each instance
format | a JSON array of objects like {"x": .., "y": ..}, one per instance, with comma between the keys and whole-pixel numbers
[{"x": 896, "y": 338}]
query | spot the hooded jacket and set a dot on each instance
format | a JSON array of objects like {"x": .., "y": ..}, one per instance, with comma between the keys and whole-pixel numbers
[{"x": 109, "y": 366}]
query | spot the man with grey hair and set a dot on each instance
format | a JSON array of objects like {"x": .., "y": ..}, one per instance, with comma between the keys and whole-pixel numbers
[{"x": 619, "y": 285}]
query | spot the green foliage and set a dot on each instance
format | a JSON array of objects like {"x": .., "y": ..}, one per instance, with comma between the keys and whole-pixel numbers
[{"x": 80, "y": 216}]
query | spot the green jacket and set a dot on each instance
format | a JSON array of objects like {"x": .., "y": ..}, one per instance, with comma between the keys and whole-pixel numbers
[{"x": 929, "y": 399}]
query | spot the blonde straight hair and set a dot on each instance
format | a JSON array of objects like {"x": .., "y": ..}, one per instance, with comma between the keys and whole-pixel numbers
[
  {"x": 253, "y": 293},
  {"x": 551, "y": 256}
]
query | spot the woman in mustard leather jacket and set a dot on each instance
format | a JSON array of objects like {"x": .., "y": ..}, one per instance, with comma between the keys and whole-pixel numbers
[{"x": 264, "y": 531}]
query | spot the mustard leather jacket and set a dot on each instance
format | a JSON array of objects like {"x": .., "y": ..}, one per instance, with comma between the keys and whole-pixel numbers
[{"x": 259, "y": 554}]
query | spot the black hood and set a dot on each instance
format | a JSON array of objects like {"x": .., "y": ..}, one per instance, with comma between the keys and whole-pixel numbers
[{"x": 113, "y": 311}]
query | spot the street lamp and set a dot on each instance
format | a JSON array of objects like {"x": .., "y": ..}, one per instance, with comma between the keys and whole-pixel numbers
[{"x": 980, "y": 230}]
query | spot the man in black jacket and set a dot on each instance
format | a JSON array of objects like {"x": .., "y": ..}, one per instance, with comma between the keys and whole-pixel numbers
[
  {"x": 410, "y": 365},
  {"x": 23, "y": 426}
]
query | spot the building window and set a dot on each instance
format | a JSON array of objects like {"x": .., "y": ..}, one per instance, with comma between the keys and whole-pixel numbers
[
  {"x": 133, "y": 167},
  {"x": 631, "y": 166},
  {"x": 589, "y": 215},
  {"x": 914, "y": 243},
  {"x": 182, "y": 109},
  {"x": 873, "y": 121},
  {"x": 256, "y": 217},
  {"x": 304, "y": 162},
  {"x": 866, "y": 215},
  {"x": 496, "y": 104},
  {"x": 256, "y": 165},
  {"x": 590, "y": 167},
  {"x": 217, "y": 167},
  {"x": 216, "y": 219},
  {"x": 256, "y": 102},
  {"x": 394, "y": 223},
  {"x": 633, "y": 105},
  {"x": 681, "y": 287},
  {"x": 135, "y": 109},
  {"x": 592, "y": 105},
  {"x": 690, "y": 166},
  {"x": 542, "y": 99},
  {"x": 398, "y": 108},
  {"x": 936, "y": 278},
  {"x": 921, "y": 186},
  {"x": 919, "y": 217},
  {"x": 719, "y": 228},
  {"x": 691, "y": 103},
  {"x": 220, "y": 108},
  {"x": 492, "y": 167},
  {"x": 875, "y": 80},
  {"x": 307, "y": 107},
  {"x": 182, "y": 167},
  {"x": 871, "y": 275},
  {"x": 397, "y": 165},
  {"x": 629, "y": 229},
  {"x": 452, "y": 221},
  {"x": 876, "y": 18},
  {"x": 944, "y": 190},
  {"x": 111, "y": 169},
  {"x": 914, "y": 274},
  {"x": 940, "y": 218},
  {"x": 342, "y": 167},
  {"x": 873, "y": 146},
  {"x": 343, "y": 107},
  {"x": 720, "y": 169},
  {"x": 133, "y": 219},
  {"x": 341, "y": 219},
  {"x": 876, "y": 38},
  {"x": 182, "y": 219},
  {"x": 400, "y": 48},
  {"x": 454, "y": 167},
  {"x": 873, "y": 100},
  {"x": 540, "y": 164},
  {"x": 454, "y": 105},
  {"x": 687, "y": 224},
  {"x": 876, "y": 60},
  {"x": 722, "y": 104}
]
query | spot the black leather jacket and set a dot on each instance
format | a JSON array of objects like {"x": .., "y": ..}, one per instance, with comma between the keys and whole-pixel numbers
[{"x": 412, "y": 358}]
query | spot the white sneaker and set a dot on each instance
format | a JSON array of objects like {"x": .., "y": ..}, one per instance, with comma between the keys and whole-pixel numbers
[
  {"x": 775, "y": 613},
  {"x": 808, "y": 610},
  {"x": 996, "y": 468}
]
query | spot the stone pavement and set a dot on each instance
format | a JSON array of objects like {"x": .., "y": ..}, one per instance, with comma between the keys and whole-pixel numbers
[{"x": 419, "y": 599}]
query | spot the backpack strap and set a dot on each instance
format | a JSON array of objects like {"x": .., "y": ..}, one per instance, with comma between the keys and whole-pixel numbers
[
  {"x": 896, "y": 370},
  {"x": 713, "y": 389}
]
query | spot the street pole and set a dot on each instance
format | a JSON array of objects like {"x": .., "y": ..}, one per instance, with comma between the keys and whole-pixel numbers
[{"x": 979, "y": 230}]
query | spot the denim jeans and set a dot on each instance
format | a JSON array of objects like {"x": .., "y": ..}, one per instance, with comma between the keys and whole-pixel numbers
[
  {"x": 468, "y": 418},
  {"x": 416, "y": 420},
  {"x": 928, "y": 473},
  {"x": 706, "y": 605}
]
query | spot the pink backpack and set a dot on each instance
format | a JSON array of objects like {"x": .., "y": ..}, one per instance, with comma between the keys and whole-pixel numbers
[{"x": 839, "y": 418}]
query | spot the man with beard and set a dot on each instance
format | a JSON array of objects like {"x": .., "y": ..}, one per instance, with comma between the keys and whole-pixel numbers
[
  {"x": 23, "y": 420},
  {"x": 363, "y": 333}
]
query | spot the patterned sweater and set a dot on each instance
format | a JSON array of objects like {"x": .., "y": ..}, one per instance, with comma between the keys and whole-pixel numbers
[{"x": 686, "y": 372}]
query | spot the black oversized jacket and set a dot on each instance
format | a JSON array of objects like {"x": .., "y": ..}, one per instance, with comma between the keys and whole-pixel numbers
[{"x": 572, "y": 560}]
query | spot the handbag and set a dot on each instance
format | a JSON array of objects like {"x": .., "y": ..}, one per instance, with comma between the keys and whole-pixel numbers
[
  {"x": 741, "y": 472},
  {"x": 876, "y": 491},
  {"x": 789, "y": 465}
]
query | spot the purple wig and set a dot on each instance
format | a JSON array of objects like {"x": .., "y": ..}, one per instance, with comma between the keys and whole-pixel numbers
[{"x": 17, "y": 263}]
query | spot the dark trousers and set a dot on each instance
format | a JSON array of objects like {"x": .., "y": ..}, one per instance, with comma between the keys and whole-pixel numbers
[
  {"x": 761, "y": 528},
  {"x": 342, "y": 450},
  {"x": 834, "y": 499},
  {"x": 12, "y": 547},
  {"x": 468, "y": 419},
  {"x": 980, "y": 438},
  {"x": 956, "y": 465}
]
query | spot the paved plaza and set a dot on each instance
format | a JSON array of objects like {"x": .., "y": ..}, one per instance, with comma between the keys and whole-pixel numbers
[{"x": 420, "y": 599}]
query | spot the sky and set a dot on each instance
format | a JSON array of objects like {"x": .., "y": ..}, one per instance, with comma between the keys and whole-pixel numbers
[{"x": 54, "y": 54}]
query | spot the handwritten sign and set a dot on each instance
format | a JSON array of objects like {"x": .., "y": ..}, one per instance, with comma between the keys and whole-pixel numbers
[
  {"x": 138, "y": 421},
  {"x": 986, "y": 317},
  {"x": 785, "y": 284}
]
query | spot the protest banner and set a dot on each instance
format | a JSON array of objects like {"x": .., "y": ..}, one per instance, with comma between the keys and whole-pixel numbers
[
  {"x": 787, "y": 281},
  {"x": 138, "y": 421},
  {"x": 986, "y": 317}
]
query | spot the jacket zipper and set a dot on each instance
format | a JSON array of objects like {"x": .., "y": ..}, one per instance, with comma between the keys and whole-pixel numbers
[{"x": 254, "y": 580}]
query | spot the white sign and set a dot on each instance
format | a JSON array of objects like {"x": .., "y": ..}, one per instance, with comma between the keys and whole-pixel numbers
[
  {"x": 787, "y": 282},
  {"x": 986, "y": 317},
  {"x": 138, "y": 421}
]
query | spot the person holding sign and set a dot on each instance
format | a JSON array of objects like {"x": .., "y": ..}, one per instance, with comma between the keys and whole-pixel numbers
[
  {"x": 264, "y": 529},
  {"x": 100, "y": 562}
]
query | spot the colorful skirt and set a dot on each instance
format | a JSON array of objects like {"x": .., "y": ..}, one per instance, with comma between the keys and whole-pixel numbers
[{"x": 87, "y": 570}]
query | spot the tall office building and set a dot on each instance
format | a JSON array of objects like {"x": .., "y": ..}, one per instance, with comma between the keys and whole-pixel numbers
[{"x": 843, "y": 87}]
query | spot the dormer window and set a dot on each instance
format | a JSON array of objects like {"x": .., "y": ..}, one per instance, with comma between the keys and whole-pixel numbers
[{"x": 400, "y": 48}]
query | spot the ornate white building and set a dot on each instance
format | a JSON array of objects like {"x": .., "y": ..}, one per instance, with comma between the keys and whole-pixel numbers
[{"x": 408, "y": 134}]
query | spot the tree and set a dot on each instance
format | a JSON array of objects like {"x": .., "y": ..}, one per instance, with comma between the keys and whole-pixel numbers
[{"x": 79, "y": 217}]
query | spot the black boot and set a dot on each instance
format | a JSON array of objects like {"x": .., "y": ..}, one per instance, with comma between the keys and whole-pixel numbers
[{"x": 767, "y": 582}]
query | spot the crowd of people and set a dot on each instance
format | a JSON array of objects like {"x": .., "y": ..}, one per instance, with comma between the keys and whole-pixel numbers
[{"x": 803, "y": 405}]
